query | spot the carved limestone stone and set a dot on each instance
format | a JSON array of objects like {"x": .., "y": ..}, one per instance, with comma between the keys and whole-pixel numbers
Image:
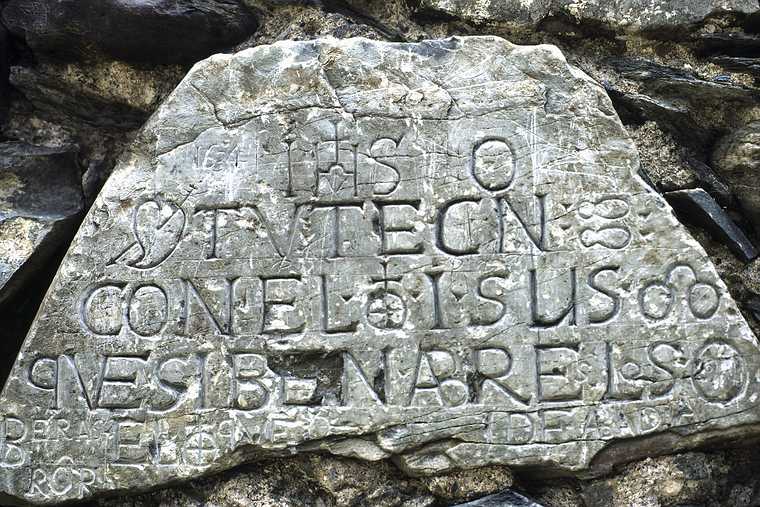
[{"x": 437, "y": 252}]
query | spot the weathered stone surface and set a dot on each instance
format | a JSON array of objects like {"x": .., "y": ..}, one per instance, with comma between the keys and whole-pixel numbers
[
  {"x": 435, "y": 252},
  {"x": 737, "y": 159},
  {"x": 711, "y": 182},
  {"x": 677, "y": 83},
  {"x": 619, "y": 15},
  {"x": 726, "y": 478},
  {"x": 156, "y": 31},
  {"x": 694, "y": 110},
  {"x": 106, "y": 93},
  {"x": 40, "y": 198},
  {"x": 698, "y": 207},
  {"x": 325, "y": 480}
]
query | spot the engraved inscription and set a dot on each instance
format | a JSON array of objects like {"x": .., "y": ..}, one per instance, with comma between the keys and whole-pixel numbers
[{"x": 380, "y": 250}]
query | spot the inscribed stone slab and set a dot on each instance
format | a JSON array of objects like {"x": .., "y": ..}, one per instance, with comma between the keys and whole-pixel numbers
[{"x": 438, "y": 252}]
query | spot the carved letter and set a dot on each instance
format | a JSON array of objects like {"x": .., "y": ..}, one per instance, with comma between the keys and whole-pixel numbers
[
  {"x": 396, "y": 229},
  {"x": 540, "y": 320}
]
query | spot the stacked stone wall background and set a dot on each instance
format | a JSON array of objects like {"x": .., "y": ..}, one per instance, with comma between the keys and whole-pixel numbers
[{"x": 79, "y": 78}]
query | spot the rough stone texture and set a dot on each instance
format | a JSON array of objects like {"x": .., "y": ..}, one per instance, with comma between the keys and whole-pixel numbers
[
  {"x": 737, "y": 158},
  {"x": 721, "y": 479},
  {"x": 661, "y": 158},
  {"x": 733, "y": 43},
  {"x": 155, "y": 31},
  {"x": 40, "y": 198},
  {"x": 106, "y": 93},
  {"x": 504, "y": 499},
  {"x": 327, "y": 481},
  {"x": 618, "y": 15},
  {"x": 3, "y": 73},
  {"x": 693, "y": 109},
  {"x": 287, "y": 22},
  {"x": 436, "y": 252}
]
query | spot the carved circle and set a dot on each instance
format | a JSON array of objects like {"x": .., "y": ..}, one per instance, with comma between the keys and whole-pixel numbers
[
  {"x": 148, "y": 310},
  {"x": 386, "y": 310},
  {"x": 656, "y": 300},
  {"x": 454, "y": 392},
  {"x": 704, "y": 300},
  {"x": 630, "y": 371},
  {"x": 102, "y": 310},
  {"x": 44, "y": 372},
  {"x": 719, "y": 372},
  {"x": 493, "y": 164}
]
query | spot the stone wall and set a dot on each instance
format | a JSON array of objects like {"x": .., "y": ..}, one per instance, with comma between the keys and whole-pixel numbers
[{"x": 79, "y": 78}]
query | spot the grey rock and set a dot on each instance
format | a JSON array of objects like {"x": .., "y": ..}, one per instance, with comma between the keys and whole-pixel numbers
[
  {"x": 438, "y": 253},
  {"x": 661, "y": 158},
  {"x": 40, "y": 201},
  {"x": 101, "y": 93},
  {"x": 711, "y": 182},
  {"x": 673, "y": 116},
  {"x": 688, "y": 107},
  {"x": 677, "y": 83},
  {"x": 698, "y": 207},
  {"x": 503, "y": 499},
  {"x": 725, "y": 478},
  {"x": 286, "y": 22},
  {"x": 155, "y": 31},
  {"x": 737, "y": 159},
  {"x": 617, "y": 15}
]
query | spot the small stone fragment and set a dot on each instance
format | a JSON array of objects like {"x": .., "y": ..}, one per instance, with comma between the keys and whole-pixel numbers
[
  {"x": 711, "y": 182},
  {"x": 678, "y": 83},
  {"x": 699, "y": 207}
]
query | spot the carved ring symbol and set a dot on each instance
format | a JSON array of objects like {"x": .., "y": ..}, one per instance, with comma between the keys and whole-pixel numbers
[
  {"x": 386, "y": 310},
  {"x": 493, "y": 164},
  {"x": 657, "y": 299},
  {"x": 720, "y": 374}
]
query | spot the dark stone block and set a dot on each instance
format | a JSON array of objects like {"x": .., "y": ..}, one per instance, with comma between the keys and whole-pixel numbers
[
  {"x": 730, "y": 43},
  {"x": 698, "y": 207},
  {"x": 154, "y": 31}
]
